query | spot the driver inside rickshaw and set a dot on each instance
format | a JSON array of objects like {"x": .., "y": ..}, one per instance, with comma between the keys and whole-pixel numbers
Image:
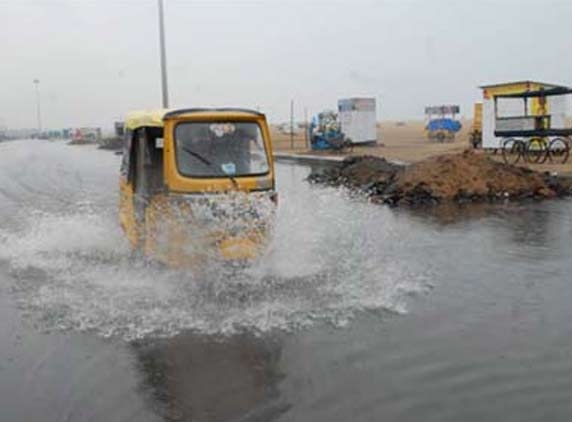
[{"x": 220, "y": 149}]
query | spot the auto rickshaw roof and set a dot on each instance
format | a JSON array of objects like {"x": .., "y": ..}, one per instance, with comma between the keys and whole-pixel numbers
[{"x": 156, "y": 118}]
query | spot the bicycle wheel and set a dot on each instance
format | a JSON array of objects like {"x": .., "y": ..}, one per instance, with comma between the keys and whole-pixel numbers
[
  {"x": 536, "y": 150},
  {"x": 559, "y": 150},
  {"x": 512, "y": 150}
]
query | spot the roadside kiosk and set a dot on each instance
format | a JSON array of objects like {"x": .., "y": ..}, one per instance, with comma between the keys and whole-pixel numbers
[
  {"x": 554, "y": 106},
  {"x": 358, "y": 119}
]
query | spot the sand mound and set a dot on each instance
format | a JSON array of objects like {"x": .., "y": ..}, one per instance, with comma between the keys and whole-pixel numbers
[{"x": 469, "y": 176}]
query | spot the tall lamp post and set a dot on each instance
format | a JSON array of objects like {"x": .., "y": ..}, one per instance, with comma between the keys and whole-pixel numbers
[
  {"x": 38, "y": 108},
  {"x": 164, "y": 86}
]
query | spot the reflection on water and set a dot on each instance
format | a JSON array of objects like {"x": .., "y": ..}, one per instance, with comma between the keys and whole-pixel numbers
[
  {"x": 205, "y": 378},
  {"x": 524, "y": 223},
  {"x": 450, "y": 213}
]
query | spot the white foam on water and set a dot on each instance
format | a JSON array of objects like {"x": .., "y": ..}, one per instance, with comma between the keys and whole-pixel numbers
[
  {"x": 74, "y": 272},
  {"x": 331, "y": 257}
]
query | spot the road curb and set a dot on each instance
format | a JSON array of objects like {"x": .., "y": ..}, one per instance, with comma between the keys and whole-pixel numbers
[
  {"x": 318, "y": 159},
  {"x": 306, "y": 158}
]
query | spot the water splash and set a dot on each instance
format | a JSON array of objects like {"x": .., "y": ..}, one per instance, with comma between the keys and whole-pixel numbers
[
  {"x": 331, "y": 257},
  {"x": 75, "y": 272}
]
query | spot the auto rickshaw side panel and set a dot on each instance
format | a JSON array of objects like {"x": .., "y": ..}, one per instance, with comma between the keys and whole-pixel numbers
[
  {"x": 127, "y": 213},
  {"x": 127, "y": 218}
]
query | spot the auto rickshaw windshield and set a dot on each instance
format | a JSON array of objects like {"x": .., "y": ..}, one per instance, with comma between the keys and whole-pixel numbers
[{"x": 220, "y": 149}]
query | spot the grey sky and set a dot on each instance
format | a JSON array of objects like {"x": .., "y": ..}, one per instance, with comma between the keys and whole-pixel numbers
[{"x": 98, "y": 59}]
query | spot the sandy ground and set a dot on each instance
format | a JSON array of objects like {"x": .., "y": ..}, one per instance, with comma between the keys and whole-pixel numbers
[{"x": 406, "y": 143}]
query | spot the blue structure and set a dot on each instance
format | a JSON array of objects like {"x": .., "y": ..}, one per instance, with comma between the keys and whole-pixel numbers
[{"x": 445, "y": 123}]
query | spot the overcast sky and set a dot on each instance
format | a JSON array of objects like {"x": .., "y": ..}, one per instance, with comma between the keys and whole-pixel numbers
[{"x": 98, "y": 59}]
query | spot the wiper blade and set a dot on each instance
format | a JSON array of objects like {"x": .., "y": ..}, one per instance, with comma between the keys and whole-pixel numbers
[
  {"x": 208, "y": 163},
  {"x": 197, "y": 156}
]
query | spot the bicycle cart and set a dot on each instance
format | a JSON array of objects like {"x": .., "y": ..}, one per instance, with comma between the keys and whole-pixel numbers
[
  {"x": 441, "y": 122},
  {"x": 538, "y": 136}
]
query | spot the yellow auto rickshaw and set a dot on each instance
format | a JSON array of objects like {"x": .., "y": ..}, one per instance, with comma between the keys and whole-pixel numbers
[{"x": 197, "y": 184}]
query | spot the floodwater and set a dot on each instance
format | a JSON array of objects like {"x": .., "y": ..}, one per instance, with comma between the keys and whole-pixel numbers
[{"x": 357, "y": 312}]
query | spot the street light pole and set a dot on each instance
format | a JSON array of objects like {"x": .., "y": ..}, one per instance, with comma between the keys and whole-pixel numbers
[
  {"x": 38, "y": 109},
  {"x": 164, "y": 86}
]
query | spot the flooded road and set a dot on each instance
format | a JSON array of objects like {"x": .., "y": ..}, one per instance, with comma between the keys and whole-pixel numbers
[{"x": 358, "y": 312}]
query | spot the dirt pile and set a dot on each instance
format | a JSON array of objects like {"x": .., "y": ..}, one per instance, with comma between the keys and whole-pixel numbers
[
  {"x": 469, "y": 176},
  {"x": 357, "y": 172}
]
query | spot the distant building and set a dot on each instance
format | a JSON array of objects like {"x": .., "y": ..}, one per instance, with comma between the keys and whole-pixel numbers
[{"x": 358, "y": 119}]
